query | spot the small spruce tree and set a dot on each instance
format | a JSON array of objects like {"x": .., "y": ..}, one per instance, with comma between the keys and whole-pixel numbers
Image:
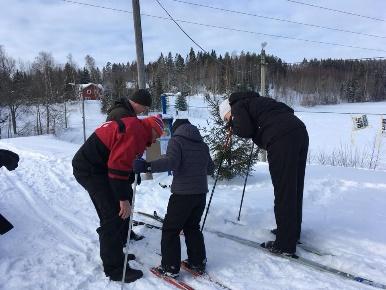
[
  {"x": 181, "y": 104},
  {"x": 236, "y": 156}
]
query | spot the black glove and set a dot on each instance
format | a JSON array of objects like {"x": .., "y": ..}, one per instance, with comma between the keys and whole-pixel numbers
[
  {"x": 9, "y": 159},
  {"x": 140, "y": 165},
  {"x": 139, "y": 180},
  {"x": 132, "y": 178}
]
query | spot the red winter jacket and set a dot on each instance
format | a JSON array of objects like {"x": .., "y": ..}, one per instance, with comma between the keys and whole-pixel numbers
[{"x": 111, "y": 150}]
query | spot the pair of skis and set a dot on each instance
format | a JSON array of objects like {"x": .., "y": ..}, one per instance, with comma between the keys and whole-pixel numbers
[
  {"x": 304, "y": 246},
  {"x": 185, "y": 286},
  {"x": 300, "y": 260},
  {"x": 173, "y": 281},
  {"x": 301, "y": 245},
  {"x": 184, "y": 265},
  {"x": 294, "y": 258},
  {"x": 153, "y": 216}
]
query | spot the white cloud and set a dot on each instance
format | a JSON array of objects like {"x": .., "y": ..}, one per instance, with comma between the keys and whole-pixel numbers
[{"x": 27, "y": 27}]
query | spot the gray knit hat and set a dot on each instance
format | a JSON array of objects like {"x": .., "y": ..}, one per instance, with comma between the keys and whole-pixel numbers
[{"x": 141, "y": 97}]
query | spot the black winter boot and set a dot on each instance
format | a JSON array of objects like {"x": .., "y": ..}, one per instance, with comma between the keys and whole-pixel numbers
[
  {"x": 272, "y": 247},
  {"x": 200, "y": 269},
  {"x": 274, "y": 231},
  {"x": 131, "y": 274},
  {"x": 168, "y": 271}
]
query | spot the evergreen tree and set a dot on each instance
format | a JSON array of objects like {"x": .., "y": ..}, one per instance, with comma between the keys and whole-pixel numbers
[
  {"x": 156, "y": 91},
  {"x": 181, "y": 104},
  {"x": 85, "y": 76},
  {"x": 236, "y": 156}
]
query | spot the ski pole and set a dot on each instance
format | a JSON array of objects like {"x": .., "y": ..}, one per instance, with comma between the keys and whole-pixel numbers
[
  {"x": 217, "y": 174},
  {"x": 128, "y": 233},
  {"x": 245, "y": 181}
]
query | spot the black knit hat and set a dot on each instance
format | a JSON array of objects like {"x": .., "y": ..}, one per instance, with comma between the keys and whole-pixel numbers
[
  {"x": 179, "y": 122},
  {"x": 141, "y": 97}
]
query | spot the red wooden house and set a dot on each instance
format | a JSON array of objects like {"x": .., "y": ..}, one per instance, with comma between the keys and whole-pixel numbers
[{"x": 90, "y": 91}]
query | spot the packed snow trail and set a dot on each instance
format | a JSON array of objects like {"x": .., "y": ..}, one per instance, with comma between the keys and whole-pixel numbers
[{"x": 54, "y": 244}]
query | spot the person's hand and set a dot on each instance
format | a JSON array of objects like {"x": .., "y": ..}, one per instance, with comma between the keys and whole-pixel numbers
[
  {"x": 125, "y": 210},
  {"x": 140, "y": 165},
  {"x": 9, "y": 159}
]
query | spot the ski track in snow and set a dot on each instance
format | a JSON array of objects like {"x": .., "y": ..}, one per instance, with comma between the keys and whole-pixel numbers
[{"x": 54, "y": 244}]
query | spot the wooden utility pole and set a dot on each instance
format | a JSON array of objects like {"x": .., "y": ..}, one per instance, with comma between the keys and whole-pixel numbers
[
  {"x": 141, "y": 64},
  {"x": 139, "y": 44},
  {"x": 83, "y": 120},
  {"x": 262, "y": 91},
  {"x": 263, "y": 69}
]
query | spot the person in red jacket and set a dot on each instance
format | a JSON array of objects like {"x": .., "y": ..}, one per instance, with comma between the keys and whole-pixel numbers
[{"x": 103, "y": 166}]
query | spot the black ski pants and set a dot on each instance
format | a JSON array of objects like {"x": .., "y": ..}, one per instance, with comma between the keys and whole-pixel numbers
[
  {"x": 113, "y": 230},
  {"x": 287, "y": 159},
  {"x": 184, "y": 212},
  {"x": 5, "y": 225}
]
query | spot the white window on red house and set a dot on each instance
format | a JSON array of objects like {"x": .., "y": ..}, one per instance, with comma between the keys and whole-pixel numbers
[{"x": 89, "y": 92}]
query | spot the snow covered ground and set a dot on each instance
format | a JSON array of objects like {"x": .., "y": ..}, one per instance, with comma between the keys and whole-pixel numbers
[{"x": 54, "y": 244}]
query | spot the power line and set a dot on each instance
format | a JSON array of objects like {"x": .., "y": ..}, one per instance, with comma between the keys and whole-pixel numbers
[
  {"x": 97, "y": 6},
  {"x": 231, "y": 29},
  {"x": 336, "y": 10},
  {"x": 278, "y": 19},
  {"x": 220, "y": 63},
  {"x": 272, "y": 35},
  {"x": 179, "y": 26}
]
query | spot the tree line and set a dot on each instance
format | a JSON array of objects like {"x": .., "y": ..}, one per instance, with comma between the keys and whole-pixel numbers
[{"x": 44, "y": 86}]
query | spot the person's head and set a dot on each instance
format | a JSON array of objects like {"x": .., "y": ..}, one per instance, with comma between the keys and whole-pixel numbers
[
  {"x": 179, "y": 122},
  {"x": 140, "y": 100},
  {"x": 225, "y": 110},
  {"x": 156, "y": 125}
]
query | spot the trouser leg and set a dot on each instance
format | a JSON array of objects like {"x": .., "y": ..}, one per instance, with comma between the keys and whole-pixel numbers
[
  {"x": 178, "y": 213},
  {"x": 113, "y": 230},
  {"x": 194, "y": 238},
  {"x": 300, "y": 182},
  {"x": 283, "y": 158}
]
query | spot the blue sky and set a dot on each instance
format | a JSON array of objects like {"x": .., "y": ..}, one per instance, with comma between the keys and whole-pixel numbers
[{"x": 30, "y": 26}]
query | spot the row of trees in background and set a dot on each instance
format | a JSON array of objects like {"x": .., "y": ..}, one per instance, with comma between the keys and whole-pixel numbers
[
  {"x": 311, "y": 82},
  {"x": 44, "y": 86}
]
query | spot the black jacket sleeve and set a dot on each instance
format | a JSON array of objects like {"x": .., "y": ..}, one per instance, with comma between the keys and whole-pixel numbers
[
  {"x": 171, "y": 161},
  {"x": 242, "y": 124},
  {"x": 9, "y": 159}
]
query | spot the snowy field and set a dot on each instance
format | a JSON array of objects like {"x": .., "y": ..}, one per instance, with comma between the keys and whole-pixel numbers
[{"x": 54, "y": 244}]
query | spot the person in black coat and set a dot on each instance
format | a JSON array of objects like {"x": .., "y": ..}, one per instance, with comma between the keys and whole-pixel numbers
[
  {"x": 9, "y": 160},
  {"x": 273, "y": 126},
  {"x": 188, "y": 157}
]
